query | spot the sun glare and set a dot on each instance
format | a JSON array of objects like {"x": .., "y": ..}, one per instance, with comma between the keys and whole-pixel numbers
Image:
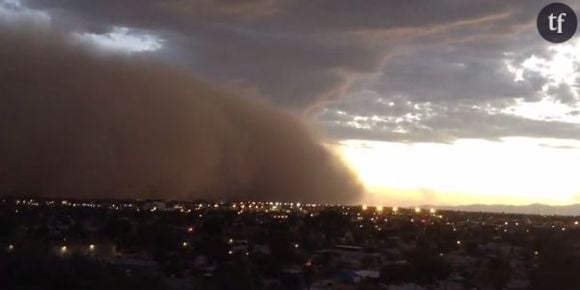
[{"x": 466, "y": 172}]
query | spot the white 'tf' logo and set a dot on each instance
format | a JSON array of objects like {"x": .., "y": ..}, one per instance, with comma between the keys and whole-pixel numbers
[{"x": 558, "y": 19}]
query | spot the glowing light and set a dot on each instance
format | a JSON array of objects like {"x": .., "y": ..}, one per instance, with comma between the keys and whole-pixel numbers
[
  {"x": 413, "y": 168},
  {"x": 364, "y": 207},
  {"x": 432, "y": 210},
  {"x": 63, "y": 249},
  {"x": 91, "y": 247},
  {"x": 417, "y": 210},
  {"x": 379, "y": 208},
  {"x": 395, "y": 209},
  {"x": 123, "y": 39},
  {"x": 184, "y": 244},
  {"x": 458, "y": 242},
  {"x": 10, "y": 248}
]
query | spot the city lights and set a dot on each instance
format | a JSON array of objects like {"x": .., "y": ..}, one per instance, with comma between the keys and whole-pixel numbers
[{"x": 368, "y": 222}]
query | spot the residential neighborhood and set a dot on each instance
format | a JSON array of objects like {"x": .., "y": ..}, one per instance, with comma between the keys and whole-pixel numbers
[{"x": 279, "y": 245}]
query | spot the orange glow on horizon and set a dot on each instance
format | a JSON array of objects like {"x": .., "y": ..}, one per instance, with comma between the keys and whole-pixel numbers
[{"x": 514, "y": 171}]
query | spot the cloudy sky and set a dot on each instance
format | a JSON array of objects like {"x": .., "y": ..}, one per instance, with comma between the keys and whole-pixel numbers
[{"x": 452, "y": 102}]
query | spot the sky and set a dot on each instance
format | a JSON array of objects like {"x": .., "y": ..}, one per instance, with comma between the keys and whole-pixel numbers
[{"x": 457, "y": 102}]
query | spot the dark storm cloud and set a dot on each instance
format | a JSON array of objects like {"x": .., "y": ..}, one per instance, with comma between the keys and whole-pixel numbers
[
  {"x": 234, "y": 41},
  {"x": 440, "y": 74},
  {"x": 307, "y": 55},
  {"x": 85, "y": 123},
  {"x": 295, "y": 53}
]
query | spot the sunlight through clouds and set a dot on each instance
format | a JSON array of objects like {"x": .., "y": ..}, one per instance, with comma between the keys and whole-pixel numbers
[
  {"x": 561, "y": 95},
  {"x": 546, "y": 110},
  {"x": 123, "y": 39}
]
